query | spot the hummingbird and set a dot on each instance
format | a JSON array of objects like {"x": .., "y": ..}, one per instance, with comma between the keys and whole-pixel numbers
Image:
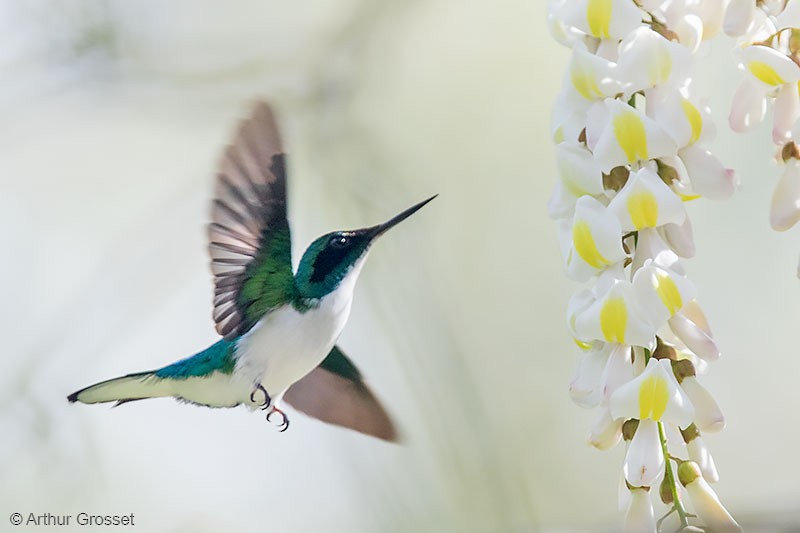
[{"x": 278, "y": 327}]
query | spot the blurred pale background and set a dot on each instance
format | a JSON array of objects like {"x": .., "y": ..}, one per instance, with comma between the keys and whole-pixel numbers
[{"x": 113, "y": 114}]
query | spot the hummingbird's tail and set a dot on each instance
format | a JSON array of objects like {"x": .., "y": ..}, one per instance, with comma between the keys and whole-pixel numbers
[
  {"x": 203, "y": 378},
  {"x": 124, "y": 389}
]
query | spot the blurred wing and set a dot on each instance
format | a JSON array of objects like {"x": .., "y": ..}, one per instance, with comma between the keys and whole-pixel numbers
[
  {"x": 334, "y": 392},
  {"x": 249, "y": 238}
]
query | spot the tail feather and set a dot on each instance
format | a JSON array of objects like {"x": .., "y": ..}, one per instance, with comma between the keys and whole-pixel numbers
[{"x": 124, "y": 389}]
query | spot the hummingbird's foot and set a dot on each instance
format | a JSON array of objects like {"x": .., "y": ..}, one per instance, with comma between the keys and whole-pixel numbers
[
  {"x": 267, "y": 399},
  {"x": 284, "y": 425}
]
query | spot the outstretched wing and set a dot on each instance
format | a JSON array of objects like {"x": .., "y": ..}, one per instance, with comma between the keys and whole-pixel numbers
[
  {"x": 335, "y": 392},
  {"x": 249, "y": 238}
]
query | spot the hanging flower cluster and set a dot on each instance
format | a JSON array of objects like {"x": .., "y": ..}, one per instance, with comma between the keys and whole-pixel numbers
[
  {"x": 769, "y": 53},
  {"x": 631, "y": 150}
]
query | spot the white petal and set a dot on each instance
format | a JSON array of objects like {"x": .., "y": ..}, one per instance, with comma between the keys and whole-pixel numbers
[
  {"x": 699, "y": 340},
  {"x": 618, "y": 369},
  {"x": 561, "y": 203},
  {"x": 790, "y": 17},
  {"x": 698, "y": 452},
  {"x": 579, "y": 303},
  {"x": 645, "y": 459},
  {"x": 712, "y": 14},
  {"x": 568, "y": 119},
  {"x": 679, "y": 237},
  {"x": 592, "y": 77},
  {"x": 710, "y": 179},
  {"x": 627, "y": 136},
  {"x": 651, "y": 247},
  {"x": 786, "y": 112},
  {"x": 708, "y": 416},
  {"x": 691, "y": 32},
  {"x": 681, "y": 118},
  {"x": 606, "y": 432},
  {"x": 578, "y": 169},
  {"x": 710, "y": 509},
  {"x": 640, "y": 517},
  {"x": 785, "y": 209},
  {"x": 739, "y": 17},
  {"x": 749, "y": 106},
  {"x": 586, "y": 387},
  {"x": 646, "y": 202}
]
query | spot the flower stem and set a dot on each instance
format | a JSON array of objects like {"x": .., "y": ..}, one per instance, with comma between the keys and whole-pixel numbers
[{"x": 677, "y": 504}]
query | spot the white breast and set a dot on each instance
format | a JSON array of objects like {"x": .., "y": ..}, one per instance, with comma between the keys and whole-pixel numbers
[{"x": 287, "y": 344}]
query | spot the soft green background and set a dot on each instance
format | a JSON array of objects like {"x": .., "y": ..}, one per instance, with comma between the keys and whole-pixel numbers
[{"x": 112, "y": 116}]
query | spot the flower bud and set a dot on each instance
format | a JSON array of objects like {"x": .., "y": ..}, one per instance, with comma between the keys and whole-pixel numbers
[
  {"x": 640, "y": 517},
  {"x": 705, "y": 500}
]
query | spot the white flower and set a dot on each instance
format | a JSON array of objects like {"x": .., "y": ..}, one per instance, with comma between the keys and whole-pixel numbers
[
  {"x": 707, "y": 413},
  {"x": 640, "y": 517},
  {"x": 699, "y": 453},
  {"x": 785, "y": 209},
  {"x": 624, "y": 135},
  {"x": 595, "y": 240},
  {"x": 580, "y": 175},
  {"x": 651, "y": 397},
  {"x": 647, "y": 59},
  {"x": 769, "y": 70},
  {"x": 705, "y": 500},
  {"x": 615, "y": 317},
  {"x": 646, "y": 202},
  {"x": 606, "y": 432},
  {"x": 661, "y": 292}
]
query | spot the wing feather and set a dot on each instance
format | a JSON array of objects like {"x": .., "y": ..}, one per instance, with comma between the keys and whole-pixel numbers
[{"x": 249, "y": 237}]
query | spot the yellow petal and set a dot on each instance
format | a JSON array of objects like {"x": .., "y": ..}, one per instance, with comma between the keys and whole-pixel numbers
[
  {"x": 614, "y": 320},
  {"x": 584, "y": 244},
  {"x": 631, "y": 136},
  {"x": 765, "y": 73},
  {"x": 653, "y": 397},
  {"x": 643, "y": 209},
  {"x": 585, "y": 84},
  {"x": 659, "y": 69},
  {"x": 582, "y": 345},
  {"x": 694, "y": 118},
  {"x": 598, "y": 15},
  {"x": 668, "y": 292}
]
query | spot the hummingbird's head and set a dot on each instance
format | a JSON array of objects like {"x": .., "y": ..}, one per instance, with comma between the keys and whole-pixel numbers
[{"x": 339, "y": 255}]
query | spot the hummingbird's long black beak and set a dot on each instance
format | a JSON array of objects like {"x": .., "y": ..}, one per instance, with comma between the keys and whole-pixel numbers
[{"x": 380, "y": 229}]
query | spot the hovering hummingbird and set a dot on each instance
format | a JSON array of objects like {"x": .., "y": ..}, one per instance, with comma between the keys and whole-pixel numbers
[{"x": 278, "y": 328}]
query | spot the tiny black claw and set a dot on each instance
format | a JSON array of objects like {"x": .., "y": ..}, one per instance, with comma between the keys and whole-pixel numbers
[
  {"x": 284, "y": 425},
  {"x": 267, "y": 398}
]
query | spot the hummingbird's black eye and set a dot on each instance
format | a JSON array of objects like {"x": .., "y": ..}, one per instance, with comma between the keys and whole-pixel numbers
[{"x": 339, "y": 241}]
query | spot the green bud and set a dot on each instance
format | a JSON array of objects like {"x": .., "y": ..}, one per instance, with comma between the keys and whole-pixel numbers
[
  {"x": 682, "y": 369},
  {"x": 665, "y": 491},
  {"x": 616, "y": 179},
  {"x": 664, "y": 350},
  {"x": 629, "y": 429},
  {"x": 667, "y": 173},
  {"x": 688, "y": 471},
  {"x": 690, "y": 433}
]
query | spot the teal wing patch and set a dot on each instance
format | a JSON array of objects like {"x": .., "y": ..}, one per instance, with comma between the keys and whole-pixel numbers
[
  {"x": 335, "y": 393},
  {"x": 249, "y": 238}
]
